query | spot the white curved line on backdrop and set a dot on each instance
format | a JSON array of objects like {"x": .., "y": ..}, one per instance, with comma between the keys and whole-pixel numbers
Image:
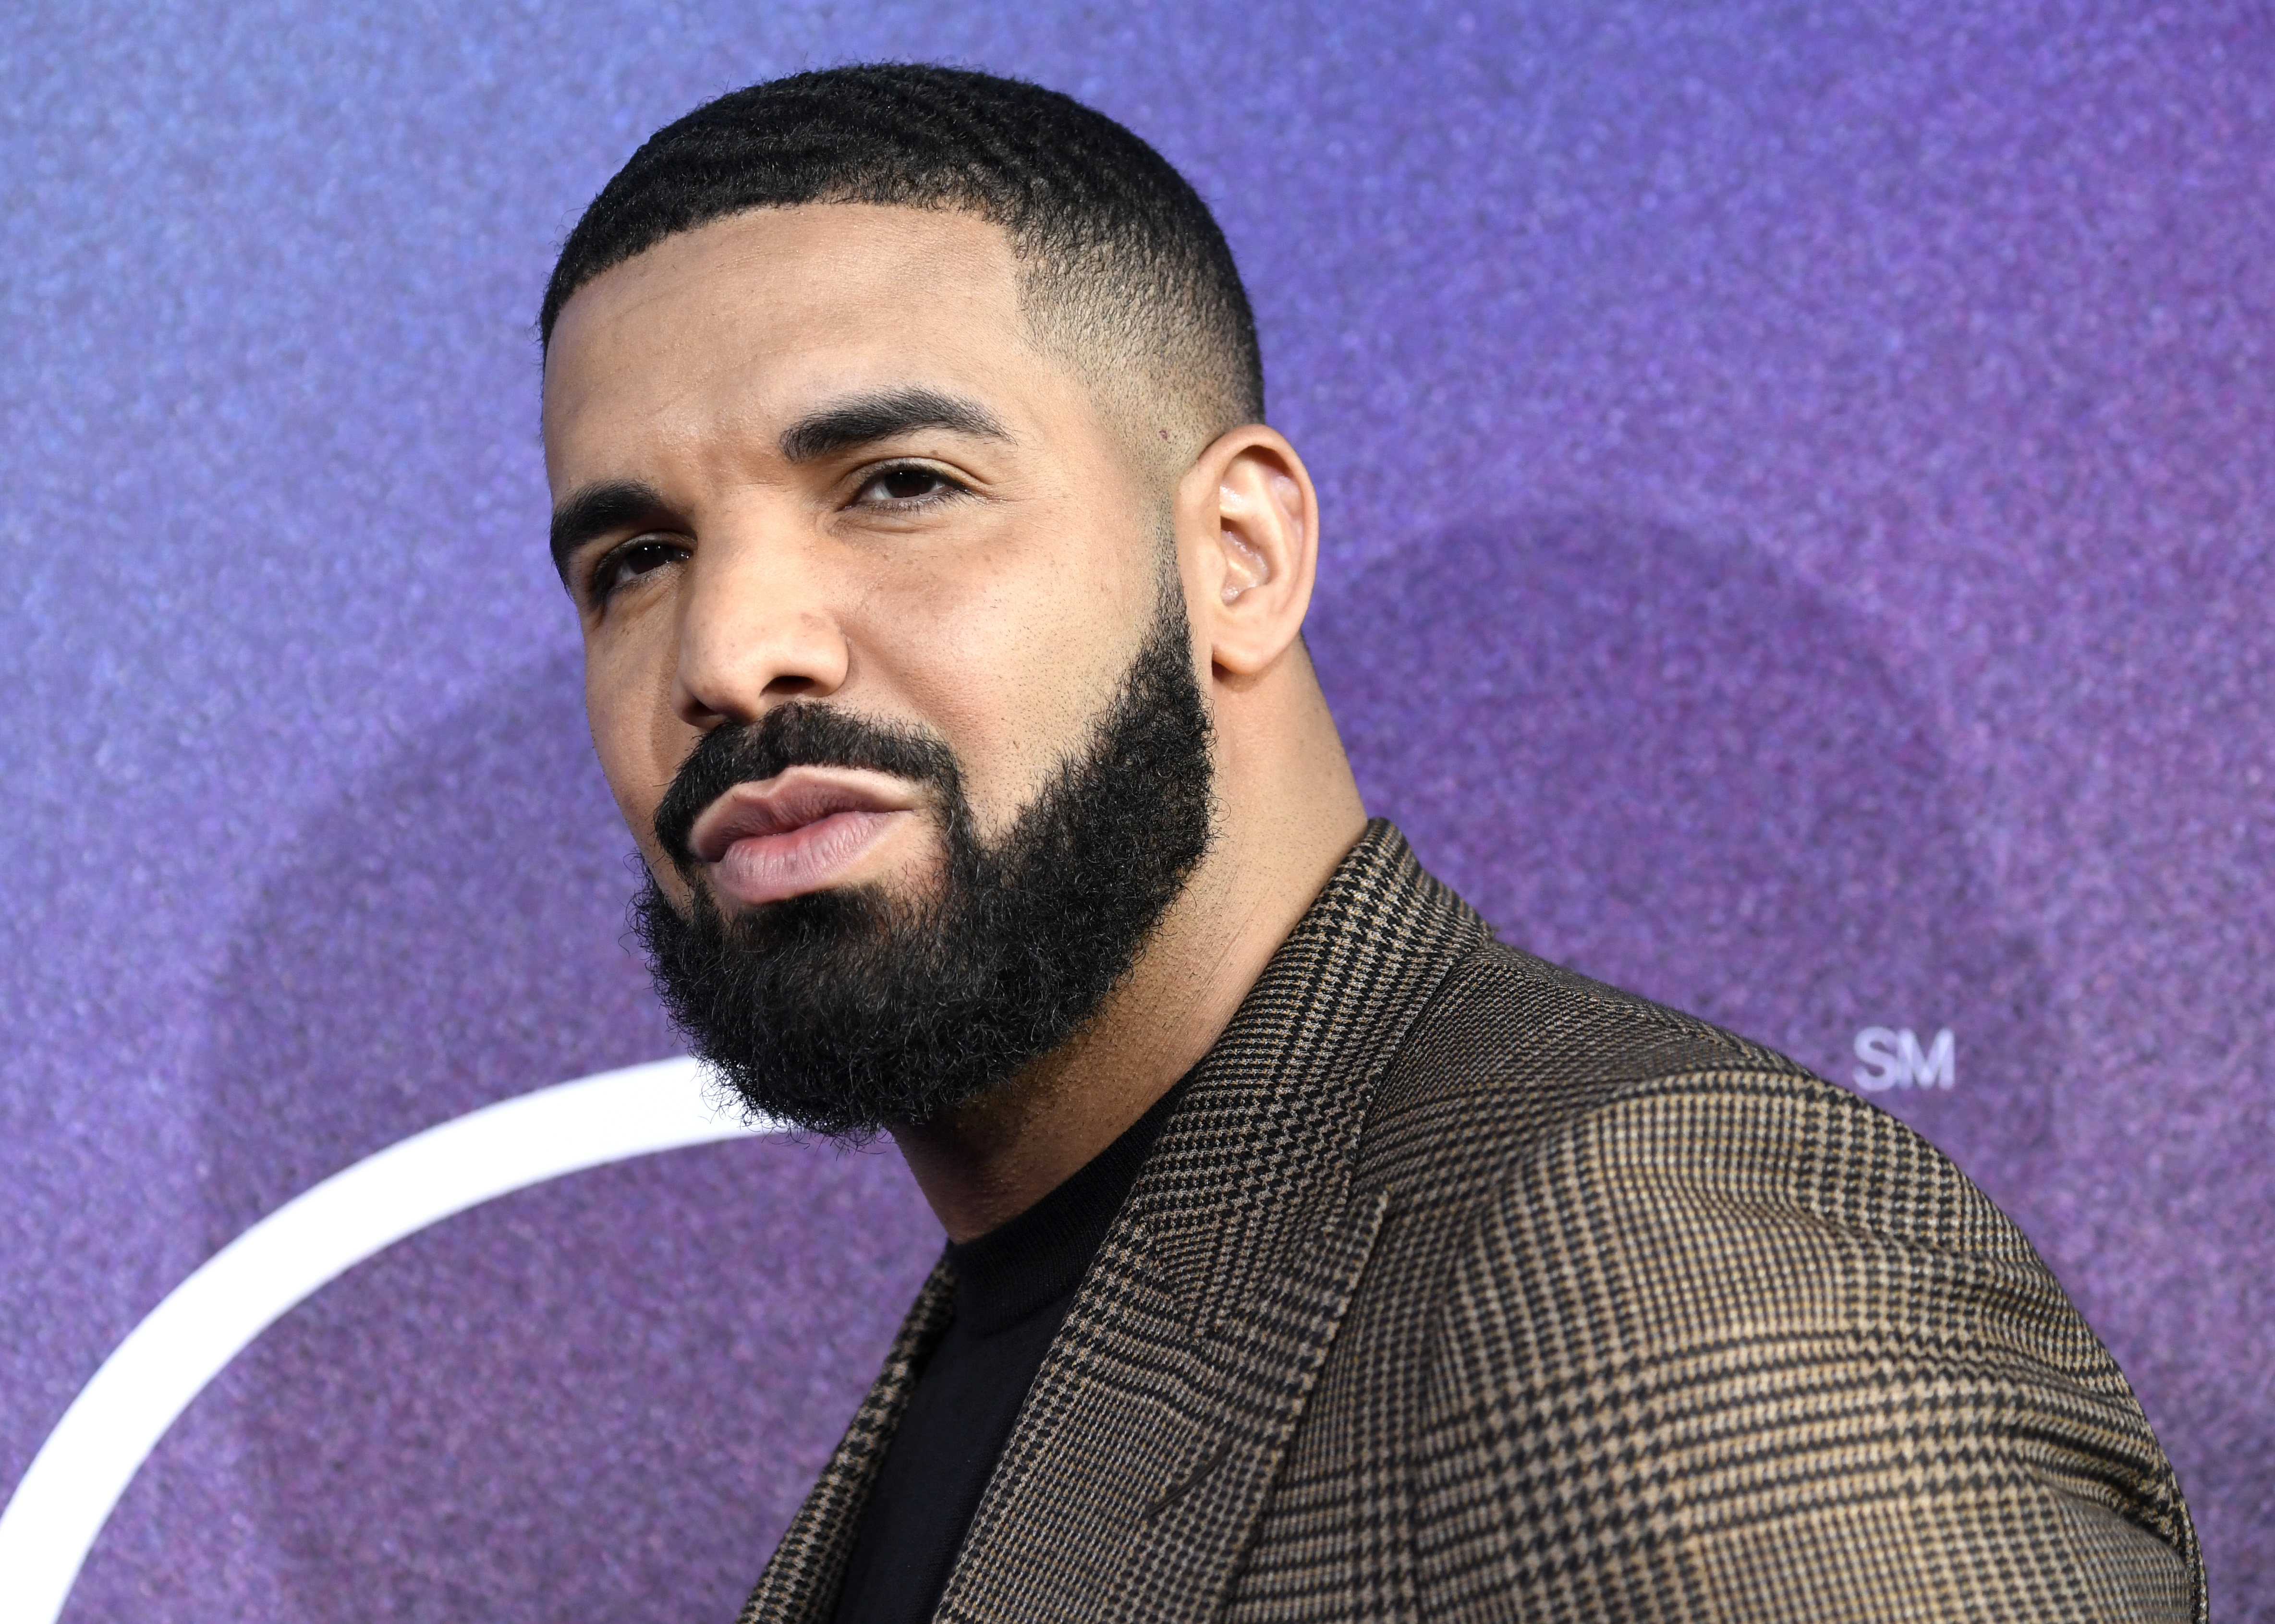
[{"x": 76, "y": 1479}]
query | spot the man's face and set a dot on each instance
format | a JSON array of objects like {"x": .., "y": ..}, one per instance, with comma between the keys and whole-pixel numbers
[
  {"x": 886, "y": 663},
  {"x": 778, "y": 532}
]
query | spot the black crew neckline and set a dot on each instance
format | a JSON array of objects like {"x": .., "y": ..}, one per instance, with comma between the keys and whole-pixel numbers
[{"x": 1027, "y": 1262}]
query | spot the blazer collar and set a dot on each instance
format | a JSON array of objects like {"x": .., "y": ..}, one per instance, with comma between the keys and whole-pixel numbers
[{"x": 1269, "y": 1127}]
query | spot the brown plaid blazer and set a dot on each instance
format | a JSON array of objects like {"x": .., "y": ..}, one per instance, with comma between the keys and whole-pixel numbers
[{"x": 1458, "y": 1287}]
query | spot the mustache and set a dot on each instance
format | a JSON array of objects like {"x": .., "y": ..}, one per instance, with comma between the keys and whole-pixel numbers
[{"x": 803, "y": 733}]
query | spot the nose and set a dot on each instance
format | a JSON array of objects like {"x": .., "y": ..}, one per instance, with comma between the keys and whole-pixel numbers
[{"x": 756, "y": 629}]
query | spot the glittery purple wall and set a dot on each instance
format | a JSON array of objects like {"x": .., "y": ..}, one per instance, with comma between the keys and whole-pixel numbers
[{"x": 1798, "y": 496}]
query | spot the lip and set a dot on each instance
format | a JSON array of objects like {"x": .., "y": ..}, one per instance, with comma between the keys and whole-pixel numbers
[{"x": 802, "y": 830}]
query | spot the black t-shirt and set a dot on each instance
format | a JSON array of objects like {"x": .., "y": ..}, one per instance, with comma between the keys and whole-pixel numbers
[{"x": 1013, "y": 1287}]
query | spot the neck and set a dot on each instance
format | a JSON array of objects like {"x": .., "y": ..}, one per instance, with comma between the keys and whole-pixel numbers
[{"x": 988, "y": 1161}]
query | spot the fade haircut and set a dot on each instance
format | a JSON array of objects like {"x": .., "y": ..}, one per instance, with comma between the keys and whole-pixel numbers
[{"x": 1123, "y": 268}]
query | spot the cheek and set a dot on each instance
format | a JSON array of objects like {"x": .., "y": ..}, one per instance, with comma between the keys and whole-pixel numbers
[
  {"x": 1013, "y": 669},
  {"x": 638, "y": 740}
]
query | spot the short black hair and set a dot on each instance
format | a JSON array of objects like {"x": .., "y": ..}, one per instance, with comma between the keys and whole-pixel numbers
[{"x": 1115, "y": 248}]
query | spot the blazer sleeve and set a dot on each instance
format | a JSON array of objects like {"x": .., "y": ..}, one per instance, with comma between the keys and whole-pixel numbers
[{"x": 1741, "y": 1347}]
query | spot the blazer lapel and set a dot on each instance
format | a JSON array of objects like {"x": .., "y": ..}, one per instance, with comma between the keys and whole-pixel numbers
[
  {"x": 800, "y": 1584},
  {"x": 1148, "y": 1445}
]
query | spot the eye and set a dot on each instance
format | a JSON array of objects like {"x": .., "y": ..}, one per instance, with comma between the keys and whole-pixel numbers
[
  {"x": 907, "y": 485},
  {"x": 624, "y": 564}
]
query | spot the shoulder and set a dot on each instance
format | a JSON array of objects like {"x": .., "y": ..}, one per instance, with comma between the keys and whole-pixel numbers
[
  {"x": 1678, "y": 1286},
  {"x": 1669, "y": 1184},
  {"x": 1512, "y": 1049}
]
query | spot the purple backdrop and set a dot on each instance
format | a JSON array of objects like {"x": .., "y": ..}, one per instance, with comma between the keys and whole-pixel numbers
[{"x": 1798, "y": 492}]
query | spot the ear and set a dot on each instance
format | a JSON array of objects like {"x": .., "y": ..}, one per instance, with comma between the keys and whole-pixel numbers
[{"x": 1248, "y": 543}]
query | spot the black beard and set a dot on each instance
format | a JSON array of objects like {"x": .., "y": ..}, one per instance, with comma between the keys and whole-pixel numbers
[{"x": 844, "y": 1011}]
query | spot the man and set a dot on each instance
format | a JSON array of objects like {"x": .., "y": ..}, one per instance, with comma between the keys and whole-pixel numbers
[{"x": 1311, "y": 1254}]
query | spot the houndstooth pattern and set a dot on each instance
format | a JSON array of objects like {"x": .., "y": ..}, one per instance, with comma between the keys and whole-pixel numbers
[{"x": 1460, "y": 1287}]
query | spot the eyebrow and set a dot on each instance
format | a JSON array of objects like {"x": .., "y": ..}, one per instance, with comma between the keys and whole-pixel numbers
[
  {"x": 861, "y": 420},
  {"x": 596, "y": 510},
  {"x": 842, "y": 425}
]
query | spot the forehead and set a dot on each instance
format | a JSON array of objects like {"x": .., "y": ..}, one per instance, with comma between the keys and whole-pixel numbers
[{"x": 743, "y": 320}]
